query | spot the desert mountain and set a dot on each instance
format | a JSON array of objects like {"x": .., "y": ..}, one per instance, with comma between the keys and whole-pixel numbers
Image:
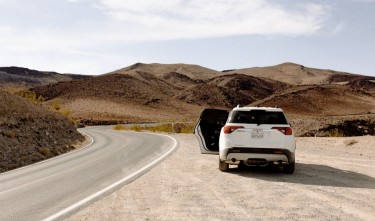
[
  {"x": 30, "y": 133},
  {"x": 118, "y": 97},
  {"x": 296, "y": 74},
  {"x": 323, "y": 100},
  {"x": 179, "y": 92},
  {"x": 169, "y": 92},
  {"x": 159, "y": 70},
  {"x": 16, "y": 76}
]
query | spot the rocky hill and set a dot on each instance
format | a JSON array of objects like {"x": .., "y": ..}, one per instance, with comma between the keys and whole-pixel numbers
[
  {"x": 30, "y": 133},
  {"x": 323, "y": 100},
  {"x": 160, "y": 70},
  {"x": 169, "y": 92},
  {"x": 297, "y": 74},
  {"x": 23, "y": 77},
  {"x": 179, "y": 92}
]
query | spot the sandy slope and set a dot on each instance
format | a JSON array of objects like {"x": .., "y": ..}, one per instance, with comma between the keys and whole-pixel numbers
[{"x": 333, "y": 181}]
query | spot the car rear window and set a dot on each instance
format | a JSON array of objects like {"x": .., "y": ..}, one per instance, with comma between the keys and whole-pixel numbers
[{"x": 257, "y": 117}]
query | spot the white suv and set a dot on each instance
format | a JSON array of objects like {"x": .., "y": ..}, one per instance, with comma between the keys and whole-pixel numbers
[{"x": 250, "y": 136}]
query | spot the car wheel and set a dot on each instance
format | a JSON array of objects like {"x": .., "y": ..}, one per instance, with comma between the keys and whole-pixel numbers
[
  {"x": 223, "y": 166},
  {"x": 289, "y": 169}
]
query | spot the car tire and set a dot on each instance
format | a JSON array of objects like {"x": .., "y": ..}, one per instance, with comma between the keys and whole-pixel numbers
[
  {"x": 289, "y": 169},
  {"x": 223, "y": 166}
]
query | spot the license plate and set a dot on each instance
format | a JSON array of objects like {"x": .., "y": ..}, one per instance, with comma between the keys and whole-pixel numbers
[{"x": 257, "y": 134}]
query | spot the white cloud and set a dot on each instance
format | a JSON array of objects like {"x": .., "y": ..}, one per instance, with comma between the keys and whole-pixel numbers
[
  {"x": 155, "y": 19},
  {"x": 101, "y": 32},
  {"x": 5, "y": 29}
]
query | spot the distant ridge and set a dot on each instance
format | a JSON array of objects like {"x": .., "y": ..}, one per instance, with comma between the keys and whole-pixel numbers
[
  {"x": 297, "y": 74},
  {"x": 190, "y": 70},
  {"x": 18, "y": 76}
]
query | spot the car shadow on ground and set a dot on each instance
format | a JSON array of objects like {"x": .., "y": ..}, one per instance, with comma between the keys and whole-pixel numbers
[{"x": 309, "y": 174}]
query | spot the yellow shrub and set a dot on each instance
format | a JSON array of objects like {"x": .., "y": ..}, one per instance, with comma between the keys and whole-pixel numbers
[
  {"x": 119, "y": 127},
  {"x": 136, "y": 128}
]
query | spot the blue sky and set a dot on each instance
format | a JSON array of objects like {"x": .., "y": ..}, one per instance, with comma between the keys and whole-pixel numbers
[{"x": 98, "y": 36}]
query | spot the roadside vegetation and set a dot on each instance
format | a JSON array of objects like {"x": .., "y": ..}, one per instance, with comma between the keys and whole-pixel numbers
[
  {"x": 163, "y": 127},
  {"x": 24, "y": 93},
  {"x": 119, "y": 127},
  {"x": 57, "y": 107}
]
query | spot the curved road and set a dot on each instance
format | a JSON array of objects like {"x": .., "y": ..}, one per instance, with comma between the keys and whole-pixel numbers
[{"x": 58, "y": 187}]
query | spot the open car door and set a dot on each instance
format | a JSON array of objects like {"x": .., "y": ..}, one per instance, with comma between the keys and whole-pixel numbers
[{"x": 208, "y": 129}]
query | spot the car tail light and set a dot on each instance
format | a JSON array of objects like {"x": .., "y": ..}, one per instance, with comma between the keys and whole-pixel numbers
[
  {"x": 230, "y": 129},
  {"x": 284, "y": 130}
]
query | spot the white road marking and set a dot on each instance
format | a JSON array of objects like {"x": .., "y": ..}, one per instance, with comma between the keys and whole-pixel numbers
[{"x": 130, "y": 176}]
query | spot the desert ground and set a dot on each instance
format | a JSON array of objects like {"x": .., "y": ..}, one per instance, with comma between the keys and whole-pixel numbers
[{"x": 334, "y": 180}]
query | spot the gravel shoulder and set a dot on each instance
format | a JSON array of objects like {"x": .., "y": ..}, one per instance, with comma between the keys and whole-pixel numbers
[{"x": 334, "y": 180}]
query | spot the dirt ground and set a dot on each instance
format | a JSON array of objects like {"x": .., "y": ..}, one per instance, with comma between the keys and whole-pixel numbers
[{"x": 334, "y": 180}]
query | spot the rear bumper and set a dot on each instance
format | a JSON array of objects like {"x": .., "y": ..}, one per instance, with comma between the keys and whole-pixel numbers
[{"x": 259, "y": 155}]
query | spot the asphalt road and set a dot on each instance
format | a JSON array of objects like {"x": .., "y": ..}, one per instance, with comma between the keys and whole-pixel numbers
[{"x": 56, "y": 188}]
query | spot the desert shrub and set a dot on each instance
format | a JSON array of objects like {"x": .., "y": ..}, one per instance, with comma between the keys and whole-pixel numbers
[
  {"x": 335, "y": 132},
  {"x": 56, "y": 104},
  {"x": 187, "y": 128},
  {"x": 119, "y": 127},
  {"x": 160, "y": 128},
  {"x": 57, "y": 151},
  {"x": 57, "y": 107},
  {"x": 44, "y": 151},
  {"x": 10, "y": 134},
  {"x": 66, "y": 112},
  {"x": 12, "y": 89},
  {"x": 136, "y": 128},
  {"x": 167, "y": 128},
  {"x": 30, "y": 96}
]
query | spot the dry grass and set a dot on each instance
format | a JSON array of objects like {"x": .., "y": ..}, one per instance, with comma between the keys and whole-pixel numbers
[
  {"x": 56, "y": 105},
  {"x": 137, "y": 128},
  {"x": 161, "y": 128},
  {"x": 188, "y": 128},
  {"x": 58, "y": 108},
  {"x": 119, "y": 127},
  {"x": 24, "y": 93},
  {"x": 166, "y": 128}
]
